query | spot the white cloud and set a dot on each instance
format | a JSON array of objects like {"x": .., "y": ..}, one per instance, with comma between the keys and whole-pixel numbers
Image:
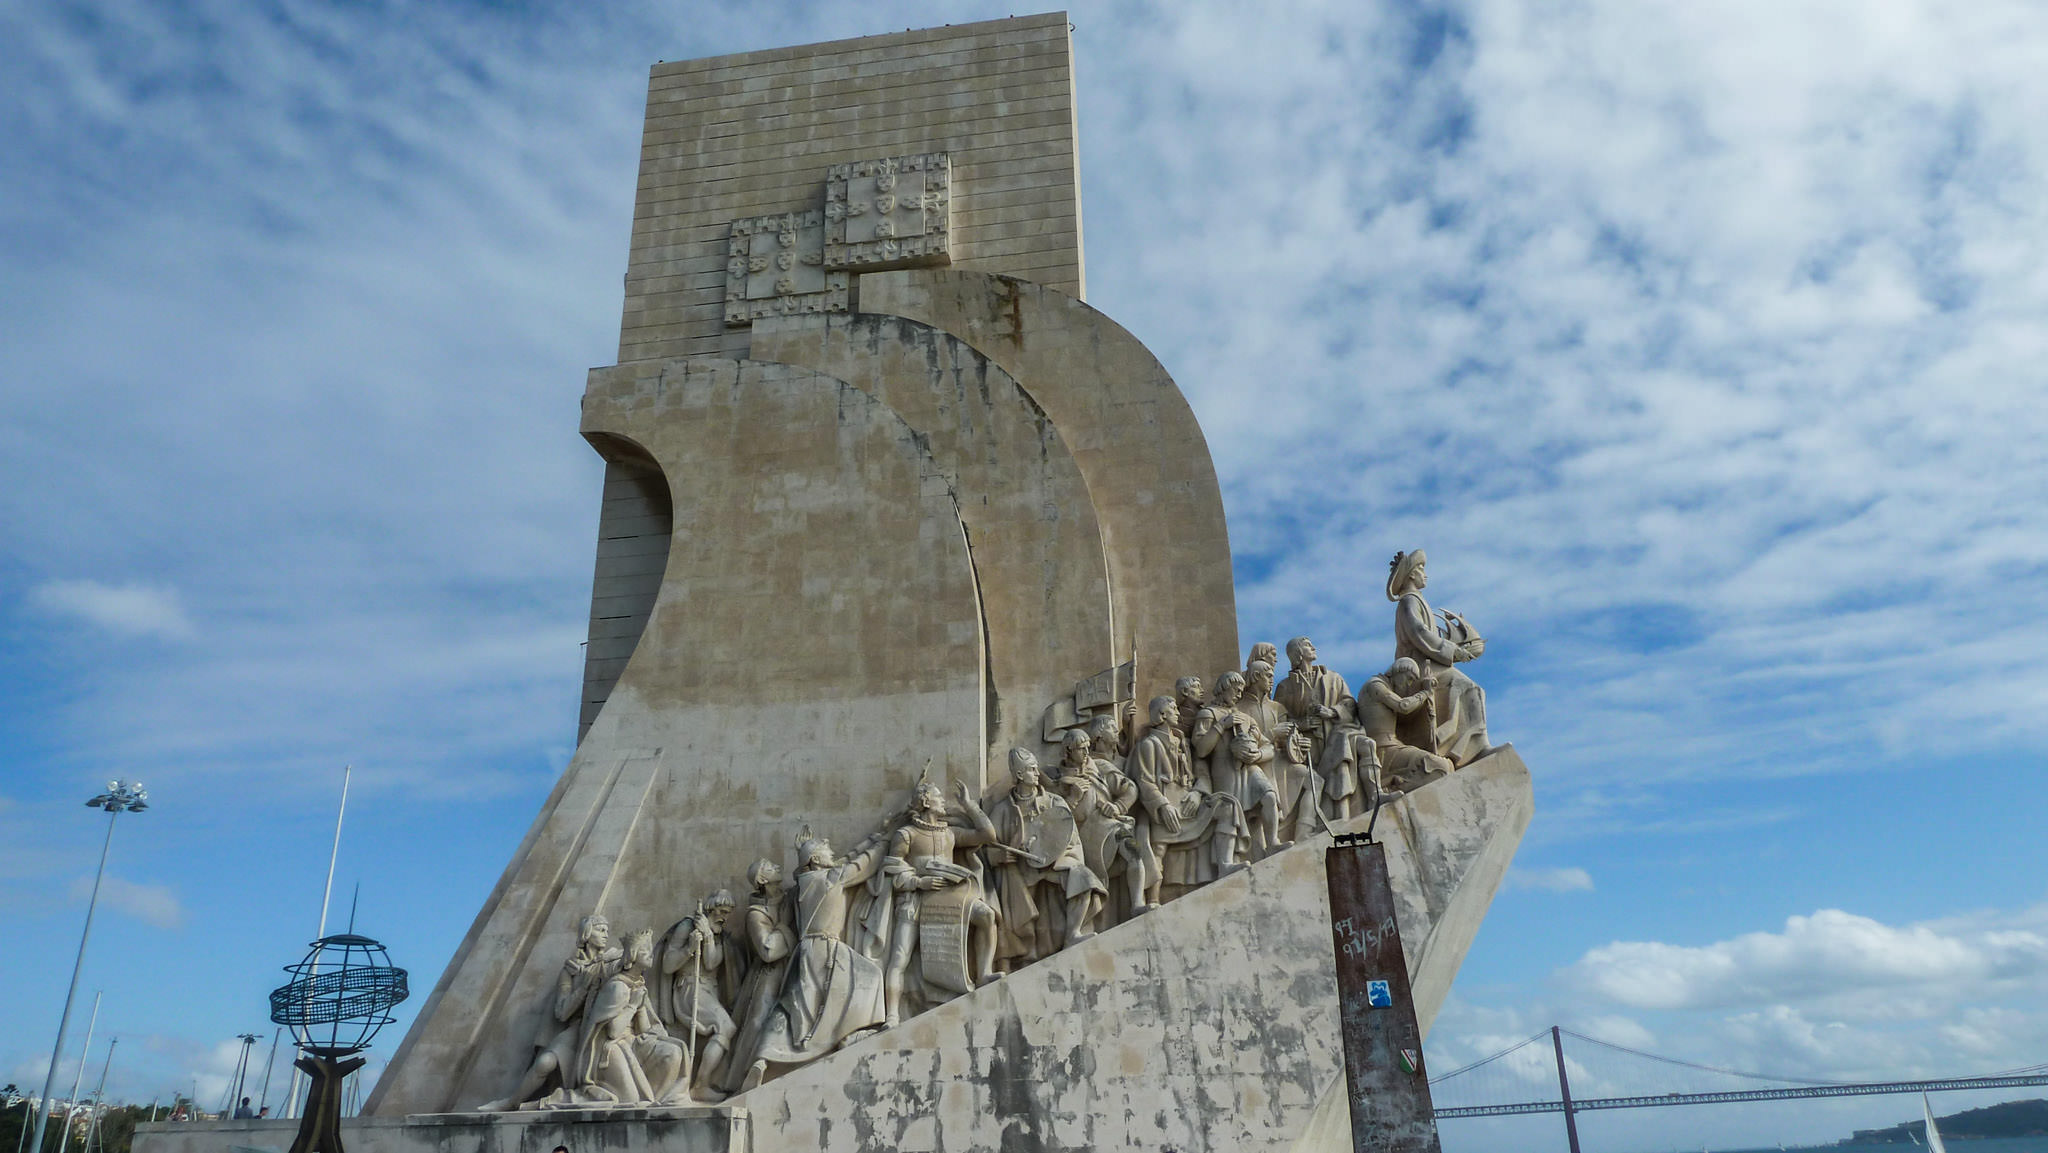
[
  {"x": 156, "y": 904},
  {"x": 1849, "y": 965},
  {"x": 129, "y": 609},
  {"x": 1565, "y": 880}
]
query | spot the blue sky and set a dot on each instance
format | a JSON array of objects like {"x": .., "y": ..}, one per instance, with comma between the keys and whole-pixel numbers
[{"x": 1701, "y": 346}]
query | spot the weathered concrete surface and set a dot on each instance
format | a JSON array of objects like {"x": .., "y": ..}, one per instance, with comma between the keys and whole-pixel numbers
[
  {"x": 1209, "y": 1025},
  {"x": 694, "y": 1130},
  {"x": 1031, "y": 524},
  {"x": 747, "y": 135},
  {"x": 1137, "y": 444},
  {"x": 816, "y": 638}
]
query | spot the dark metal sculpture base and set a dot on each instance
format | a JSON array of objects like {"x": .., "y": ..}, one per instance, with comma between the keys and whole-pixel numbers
[
  {"x": 1383, "y": 1070},
  {"x": 320, "y": 1122}
]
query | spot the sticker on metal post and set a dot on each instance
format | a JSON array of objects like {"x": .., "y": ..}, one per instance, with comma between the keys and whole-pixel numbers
[{"x": 1379, "y": 994}]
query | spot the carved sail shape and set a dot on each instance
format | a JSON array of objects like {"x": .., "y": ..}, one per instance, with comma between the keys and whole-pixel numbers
[
  {"x": 1031, "y": 522},
  {"x": 818, "y": 636}
]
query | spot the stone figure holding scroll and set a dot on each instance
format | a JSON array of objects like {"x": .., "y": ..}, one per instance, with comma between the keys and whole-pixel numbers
[
  {"x": 1049, "y": 897},
  {"x": 762, "y": 945},
  {"x": 1193, "y": 831},
  {"x": 1438, "y": 643},
  {"x": 561, "y": 1028},
  {"x": 936, "y": 909},
  {"x": 695, "y": 984},
  {"x": 832, "y": 992}
]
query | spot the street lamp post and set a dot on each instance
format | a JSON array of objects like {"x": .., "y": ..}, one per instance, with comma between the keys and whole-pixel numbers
[{"x": 120, "y": 797}]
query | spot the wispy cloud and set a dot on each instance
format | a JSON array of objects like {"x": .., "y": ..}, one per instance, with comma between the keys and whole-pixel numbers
[
  {"x": 1565, "y": 880},
  {"x": 127, "y": 609},
  {"x": 156, "y": 904}
]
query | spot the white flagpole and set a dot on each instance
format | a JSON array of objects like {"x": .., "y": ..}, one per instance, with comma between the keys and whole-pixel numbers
[{"x": 291, "y": 1101}]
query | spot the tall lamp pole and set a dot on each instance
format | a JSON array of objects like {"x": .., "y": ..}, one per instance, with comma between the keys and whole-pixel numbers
[{"x": 120, "y": 797}]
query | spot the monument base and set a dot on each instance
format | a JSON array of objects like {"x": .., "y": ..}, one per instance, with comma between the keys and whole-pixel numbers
[
  {"x": 695, "y": 1129},
  {"x": 1208, "y": 1025}
]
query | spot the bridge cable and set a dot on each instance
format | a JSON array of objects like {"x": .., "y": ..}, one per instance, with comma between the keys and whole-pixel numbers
[{"x": 1706, "y": 1068}]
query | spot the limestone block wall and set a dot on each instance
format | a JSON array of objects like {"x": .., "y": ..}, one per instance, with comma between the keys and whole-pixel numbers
[
  {"x": 1031, "y": 523},
  {"x": 1135, "y": 439},
  {"x": 731, "y": 137}
]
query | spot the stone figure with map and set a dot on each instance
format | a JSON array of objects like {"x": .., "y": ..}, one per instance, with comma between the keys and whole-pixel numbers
[
  {"x": 1193, "y": 831},
  {"x": 1048, "y": 895},
  {"x": 1101, "y": 798},
  {"x": 627, "y": 1057}
]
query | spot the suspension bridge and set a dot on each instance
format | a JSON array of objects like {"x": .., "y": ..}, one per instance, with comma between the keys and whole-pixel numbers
[{"x": 1538, "y": 1075}]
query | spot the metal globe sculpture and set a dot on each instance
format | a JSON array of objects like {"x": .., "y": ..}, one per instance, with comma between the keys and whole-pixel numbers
[
  {"x": 340, "y": 995},
  {"x": 336, "y": 1000}
]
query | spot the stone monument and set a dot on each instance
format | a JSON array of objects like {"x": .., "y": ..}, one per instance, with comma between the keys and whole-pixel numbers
[{"x": 905, "y": 548}]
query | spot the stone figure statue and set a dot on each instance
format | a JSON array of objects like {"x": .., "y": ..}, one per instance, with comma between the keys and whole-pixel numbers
[
  {"x": 1109, "y": 737},
  {"x": 1101, "y": 798},
  {"x": 1262, "y": 651},
  {"x": 1191, "y": 830},
  {"x": 765, "y": 940},
  {"x": 1238, "y": 766},
  {"x": 1188, "y": 703},
  {"x": 1292, "y": 770},
  {"x": 1402, "y": 698},
  {"x": 1438, "y": 643},
  {"x": 561, "y": 1029},
  {"x": 695, "y": 984},
  {"x": 935, "y": 909},
  {"x": 1048, "y": 895},
  {"x": 1321, "y": 705},
  {"x": 627, "y": 1056},
  {"x": 833, "y": 992}
]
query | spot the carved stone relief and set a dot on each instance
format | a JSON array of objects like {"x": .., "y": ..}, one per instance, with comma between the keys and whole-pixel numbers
[
  {"x": 890, "y": 213},
  {"x": 775, "y": 266},
  {"x": 895, "y": 212},
  {"x": 945, "y": 897}
]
